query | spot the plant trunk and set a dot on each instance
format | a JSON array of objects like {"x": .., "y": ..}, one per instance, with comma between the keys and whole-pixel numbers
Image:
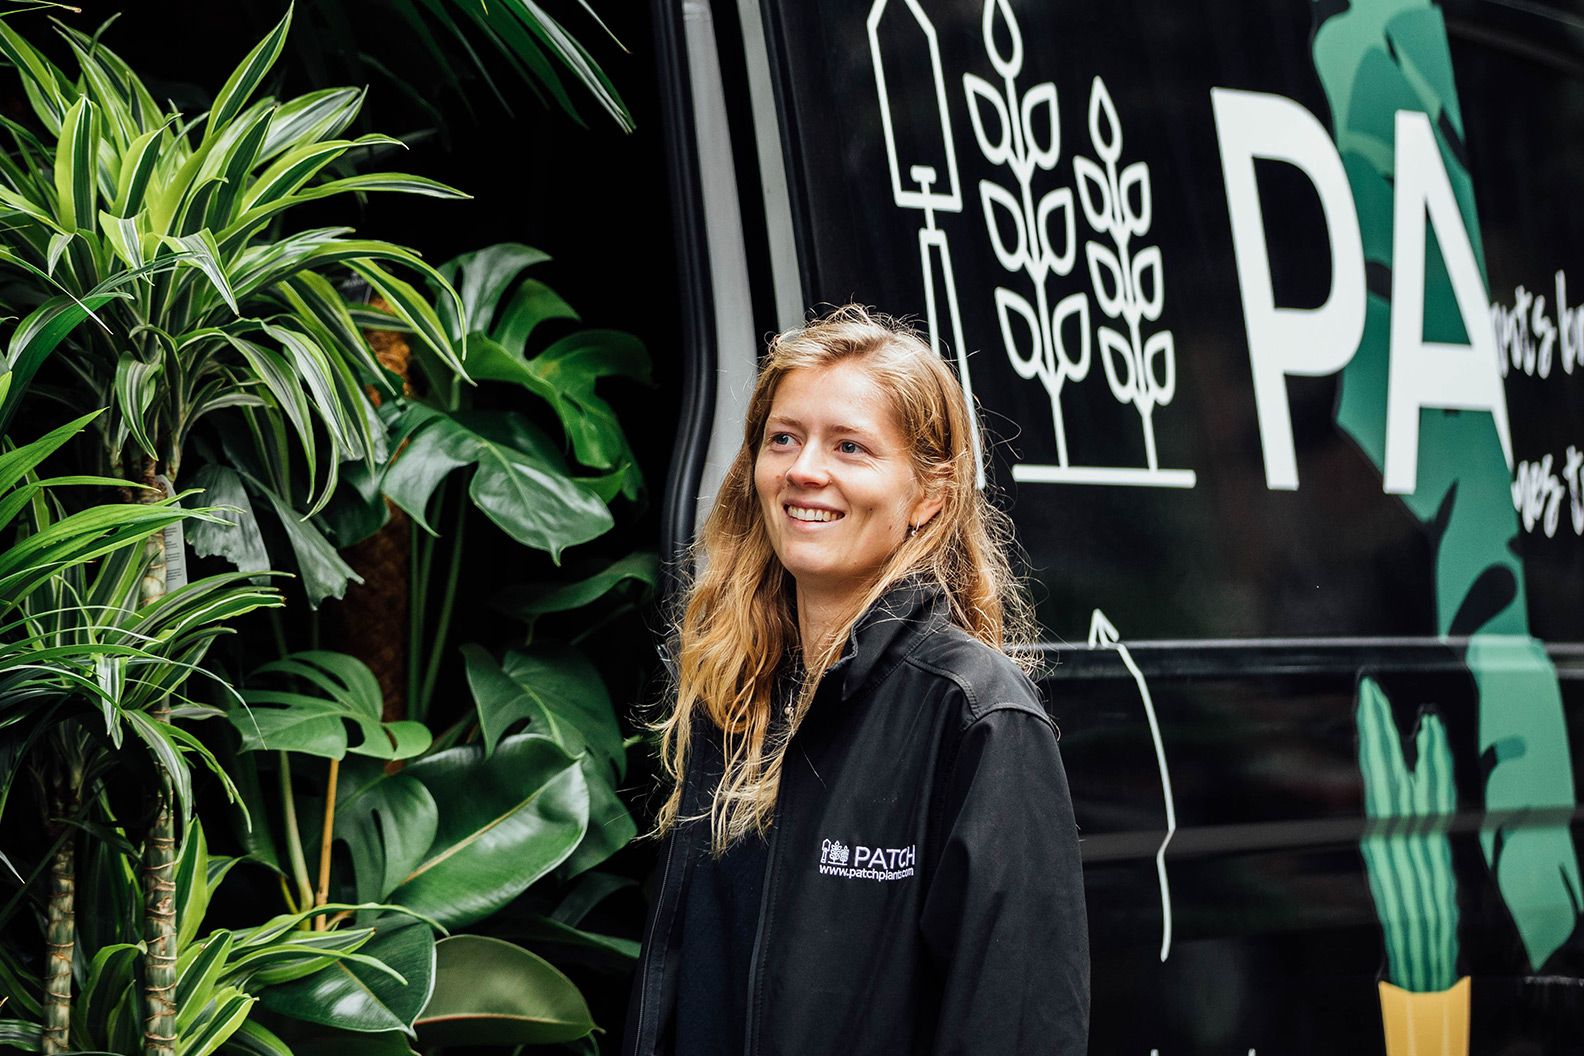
[
  {"x": 61, "y": 927},
  {"x": 159, "y": 849}
]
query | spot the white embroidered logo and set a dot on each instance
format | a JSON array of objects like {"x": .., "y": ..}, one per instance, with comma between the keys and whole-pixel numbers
[{"x": 867, "y": 863}]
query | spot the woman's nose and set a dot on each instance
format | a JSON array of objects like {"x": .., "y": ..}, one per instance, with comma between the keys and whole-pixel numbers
[{"x": 808, "y": 469}]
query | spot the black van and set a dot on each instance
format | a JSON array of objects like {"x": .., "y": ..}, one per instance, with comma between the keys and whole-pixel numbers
[{"x": 1266, "y": 308}]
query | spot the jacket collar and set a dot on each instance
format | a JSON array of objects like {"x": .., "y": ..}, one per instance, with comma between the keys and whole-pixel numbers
[{"x": 888, "y": 631}]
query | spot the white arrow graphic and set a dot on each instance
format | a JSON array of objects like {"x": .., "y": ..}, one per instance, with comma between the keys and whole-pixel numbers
[{"x": 1103, "y": 635}]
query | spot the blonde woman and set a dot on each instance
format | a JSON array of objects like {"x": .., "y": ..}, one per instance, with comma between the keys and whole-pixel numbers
[{"x": 871, "y": 845}]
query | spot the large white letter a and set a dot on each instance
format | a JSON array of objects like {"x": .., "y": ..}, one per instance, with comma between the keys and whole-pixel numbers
[{"x": 1423, "y": 373}]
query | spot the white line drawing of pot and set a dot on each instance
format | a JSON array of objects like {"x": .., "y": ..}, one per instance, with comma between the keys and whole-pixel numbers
[{"x": 907, "y": 23}]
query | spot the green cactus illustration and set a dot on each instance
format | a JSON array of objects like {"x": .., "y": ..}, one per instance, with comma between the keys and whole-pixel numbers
[
  {"x": 1374, "y": 58},
  {"x": 1406, "y": 851}
]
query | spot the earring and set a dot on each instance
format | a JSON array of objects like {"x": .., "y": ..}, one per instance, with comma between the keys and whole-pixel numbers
[{"x": 912, "y": 530}]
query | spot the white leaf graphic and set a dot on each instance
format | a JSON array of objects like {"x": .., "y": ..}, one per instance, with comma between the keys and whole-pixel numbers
[
  {"x": 1008, "y": 304},
  {"x": 996, "y": 198},
  {"x": 1160, "y": 349},
  {"x": 1072, "y": 306},
  {"x": 998, "y": 22},
  {"x": 1135, "y": 214},
  {"x": 1041, "y": 96},
  {"x": 1060, "y": 250},
  {"x": 982, "y": 95},
  {"x": 1105, "y": 129},
  {"x": 1114, "y": 350},
  {"x": 1105, "y": 273},
  {"x": 1148, "y": 282},
  {"x": 1094, "y": 192}
]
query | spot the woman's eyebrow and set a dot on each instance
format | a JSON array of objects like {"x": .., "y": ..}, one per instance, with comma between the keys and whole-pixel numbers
[{"x": 862, "y": 431}]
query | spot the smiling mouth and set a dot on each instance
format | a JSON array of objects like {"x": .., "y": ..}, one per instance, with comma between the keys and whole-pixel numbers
[{"x": 809, "y": 513}]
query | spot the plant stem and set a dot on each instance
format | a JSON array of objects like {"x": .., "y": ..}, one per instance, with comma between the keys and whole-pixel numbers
[
  {"x": 159, "y": 849},
  {"x": 323, "y": 894},
  {"x": 294, "y": 846},
  {"x": 61, "y": 930},
  {"x": 437, "y": 644},
  {"x": 159, "y": 915}
]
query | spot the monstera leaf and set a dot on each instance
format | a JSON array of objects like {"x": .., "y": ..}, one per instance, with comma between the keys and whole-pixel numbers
[
  {"x": 518, "y": 481},
  {"x": 504, "y": 821},
  {"x": 314, "y": 723}
]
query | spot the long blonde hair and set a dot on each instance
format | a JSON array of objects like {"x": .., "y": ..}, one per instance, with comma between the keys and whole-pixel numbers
[{"x": 737, "y": 627}]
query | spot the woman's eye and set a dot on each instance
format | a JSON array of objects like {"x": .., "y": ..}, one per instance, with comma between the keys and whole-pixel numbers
[
  {"x": 849, "y": 447},
  {"x": 780, "y": 439}
]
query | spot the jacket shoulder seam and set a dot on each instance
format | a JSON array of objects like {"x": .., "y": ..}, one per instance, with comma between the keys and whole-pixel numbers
[{"x": 976, "y": 709}]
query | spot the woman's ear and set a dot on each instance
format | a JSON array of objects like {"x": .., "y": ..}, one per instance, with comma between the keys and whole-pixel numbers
[{"x": 925, "y": 509}]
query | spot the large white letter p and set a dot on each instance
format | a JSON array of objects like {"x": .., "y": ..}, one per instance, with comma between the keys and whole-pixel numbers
[{"x": 1310, "y": 342}]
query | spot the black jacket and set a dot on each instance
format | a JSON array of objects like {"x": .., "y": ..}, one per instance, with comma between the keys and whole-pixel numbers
[{"x": 924, "y": 892}]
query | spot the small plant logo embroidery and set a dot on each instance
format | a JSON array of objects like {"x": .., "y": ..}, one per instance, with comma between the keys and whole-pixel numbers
[{"x": 834, "y": 852}]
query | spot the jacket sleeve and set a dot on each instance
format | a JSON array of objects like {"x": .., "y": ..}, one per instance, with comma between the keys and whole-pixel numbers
[{"x": 1004, "y": 919}]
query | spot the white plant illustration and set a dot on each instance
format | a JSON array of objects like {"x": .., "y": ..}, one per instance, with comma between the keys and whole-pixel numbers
[
  {"x": 908, "y": 25},
  {"x": 1128, "y": 281},
  {"x": 1021, "y": 131}
]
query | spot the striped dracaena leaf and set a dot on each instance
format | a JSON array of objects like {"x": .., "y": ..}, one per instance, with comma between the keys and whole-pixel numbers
[
  {"x": 205, "y": 256},
  {"x": 124, "y": 238},
  {"x": 312, "y": 296},
  {"x": 136, "y": 388},
  {"x": 76, "y": 162},
  {"x": 246, "y": 78},
  {"x": 343, "y": 418},
  {"x": 138, "y": 163},
  {"x": 40, "y": 79},
  {"x": 107, "y": 94},
  {"x": 297, "y": 166},
  {"x": 236, "y": 162},
  {"x": 310, "y": 118},
  {"x": 411, "y": 307}
]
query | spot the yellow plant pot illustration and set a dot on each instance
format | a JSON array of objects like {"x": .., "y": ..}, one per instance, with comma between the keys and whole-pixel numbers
[{"x": 1433, "y": 1024}]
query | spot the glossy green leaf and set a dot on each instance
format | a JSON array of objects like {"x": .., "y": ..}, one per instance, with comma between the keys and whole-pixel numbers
[
  {"x": 325, "y": 574},
  {"x": 535, "y": 599},
  {"x": 352, "y": 996},
  {"x": 237, "y": 539},
  {"x": 504, "y": 822},
  {"x": 490, "y": 992},
  {"x": 564, "y": 941},
  {"x": 388, "y": 822},
  {"x": 531, "y": 304},
  {"x": 529, "y": 499},
  {"x": 339, "y": 690},
  {"x": 570, "y": 367},
  {"x": 485, "y": 275}
]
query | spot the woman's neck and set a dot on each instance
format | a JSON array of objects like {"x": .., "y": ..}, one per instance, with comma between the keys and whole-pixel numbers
[{"x": 820, "y": 614}]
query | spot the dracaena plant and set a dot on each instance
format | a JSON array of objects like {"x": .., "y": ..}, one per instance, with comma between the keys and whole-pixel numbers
[
  {"x": 230, "y": 317},
  {"x": 83, "y": 664},
  {"x": 172, "y": 229}
]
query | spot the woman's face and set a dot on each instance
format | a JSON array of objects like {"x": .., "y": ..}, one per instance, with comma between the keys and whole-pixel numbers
[{"x": 835, "y": 478}]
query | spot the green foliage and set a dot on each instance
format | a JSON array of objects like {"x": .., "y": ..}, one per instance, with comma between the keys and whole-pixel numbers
[
  {"x": 170, "y": 230},
  {"x": 494, "y": 993},
  {"x": 1407, "y": 854},
  {"x": 314, "y": 723}
]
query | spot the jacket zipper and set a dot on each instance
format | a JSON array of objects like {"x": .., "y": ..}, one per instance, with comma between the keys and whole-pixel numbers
[
  {"x": 654, "y": 926},
  {"x": 749, "y": 1048}
]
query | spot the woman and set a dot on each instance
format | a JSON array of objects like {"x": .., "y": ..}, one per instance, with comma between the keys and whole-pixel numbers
[{"x": 872, "y": 846}]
